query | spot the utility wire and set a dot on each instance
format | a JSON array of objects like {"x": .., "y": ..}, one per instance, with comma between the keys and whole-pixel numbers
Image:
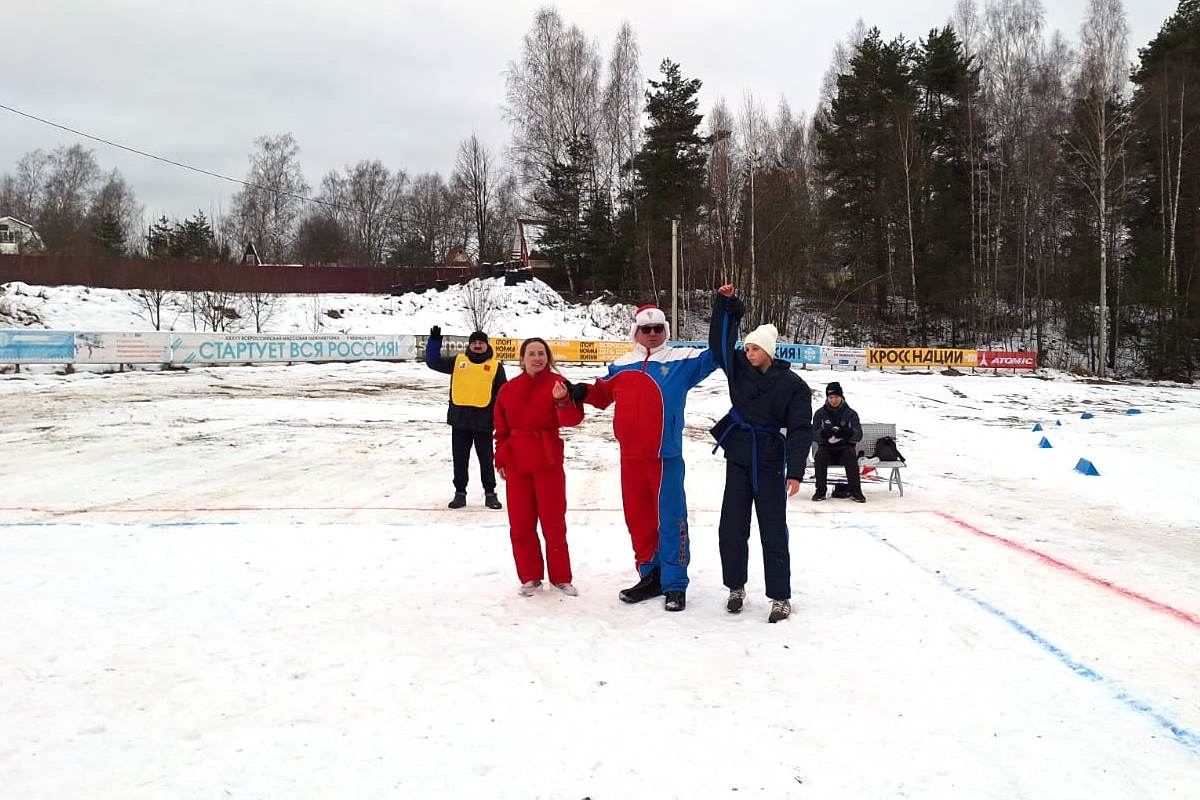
[{"x": 174, "y": 163}]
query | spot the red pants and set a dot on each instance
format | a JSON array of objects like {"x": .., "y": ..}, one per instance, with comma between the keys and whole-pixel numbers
[
  {"x": 533, "y": 497},
  {"x": 641, "y": 479}
]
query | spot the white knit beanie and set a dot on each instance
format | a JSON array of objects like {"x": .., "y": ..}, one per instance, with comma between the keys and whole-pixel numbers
[
  {"x": 764, "y": 336},
  {"x": 649, "y": 315}
]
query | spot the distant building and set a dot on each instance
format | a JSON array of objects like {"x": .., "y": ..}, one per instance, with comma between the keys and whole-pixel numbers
[
  {"x": 18, "y": 236},
  {"x": 458, "y": 257},
  {"x": 526, "y": 241},
  {"x": 250, "y": 257}
]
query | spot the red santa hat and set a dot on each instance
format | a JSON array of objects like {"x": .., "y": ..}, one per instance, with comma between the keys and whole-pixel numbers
[{"x": 649, "y": 315}]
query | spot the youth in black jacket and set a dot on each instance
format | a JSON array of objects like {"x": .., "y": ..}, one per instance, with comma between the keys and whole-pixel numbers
[
  {"x": 475, "y": 379},
  {"x": 839, "y": 432},
  {"x": 766, "y": 437}
]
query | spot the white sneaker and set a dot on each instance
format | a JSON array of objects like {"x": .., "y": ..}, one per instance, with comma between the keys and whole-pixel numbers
[
  {"x": 528, "y": 588},
  {"x": 567, "y": 589}
]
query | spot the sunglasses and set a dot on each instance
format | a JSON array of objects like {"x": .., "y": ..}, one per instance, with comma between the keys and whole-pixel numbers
[{"x": 652, "y": 328}]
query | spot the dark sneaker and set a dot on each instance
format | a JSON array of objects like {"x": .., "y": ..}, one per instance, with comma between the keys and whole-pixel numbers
[
  {"x": 675, "y": 601},
  {"x": 737, "y": 598},
  {"x": 644, "y": 589},
  {"x": 858, "y": 498},
  {"x": 460, "y": 500},
  {"x": 780, "y": 610},
  {"x": 818, "y": 496},
  {"x": 841, "y": 492},
  {"x": 491, "y": 501}
]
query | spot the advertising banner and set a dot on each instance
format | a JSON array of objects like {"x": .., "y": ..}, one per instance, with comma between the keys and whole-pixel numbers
[
  {"x": 508, "y": 349},
  {"x": 603, "y": 351},
  {"x": 795, "y": 353},
  {"x": 799, "y": 353},
  {"x": 844, "y": 356},
  {"x": 22, "y": 346},
  {"x": 920, "y": 357},
  {"x": 1001, "y": 359},
  {"x": 153, "y": 347},
  {"x": 236, "y": 348}
]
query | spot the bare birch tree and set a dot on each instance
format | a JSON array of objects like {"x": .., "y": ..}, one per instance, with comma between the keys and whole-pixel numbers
[
  {"x": 1104, "y": 37},
  {"x": 267, "y": 212},
  {"x": 475, "y": 175}
]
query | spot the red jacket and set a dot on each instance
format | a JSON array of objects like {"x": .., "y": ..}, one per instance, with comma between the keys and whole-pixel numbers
[{"x": 527, "y": 422}]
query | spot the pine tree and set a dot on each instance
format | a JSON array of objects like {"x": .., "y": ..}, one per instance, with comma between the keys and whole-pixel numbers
[
  {"x": 159, "y": 239},
  {"x": 563, "y": 203},
  {"x": 109, "y": 235},
  {"x": 1166, "y": 224},
  {"x": 669, "y": 170}
]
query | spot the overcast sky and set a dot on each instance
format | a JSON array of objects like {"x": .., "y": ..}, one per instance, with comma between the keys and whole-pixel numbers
[{"x": 400, "y": 81}]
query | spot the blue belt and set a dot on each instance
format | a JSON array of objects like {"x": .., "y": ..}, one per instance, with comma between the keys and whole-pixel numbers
[{"x": 753, "y": 429}]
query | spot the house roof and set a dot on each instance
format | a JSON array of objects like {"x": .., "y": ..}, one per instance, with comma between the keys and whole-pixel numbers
[{"x": 17, "y": 221}]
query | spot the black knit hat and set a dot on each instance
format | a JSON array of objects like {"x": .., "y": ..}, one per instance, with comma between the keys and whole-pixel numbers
[
  {"x": 834, "y": 388},
  {"x": 478, "y": 336}
]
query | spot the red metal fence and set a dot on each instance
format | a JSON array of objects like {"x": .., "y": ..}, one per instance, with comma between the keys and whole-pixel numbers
[{"x": 193, "y": 276}]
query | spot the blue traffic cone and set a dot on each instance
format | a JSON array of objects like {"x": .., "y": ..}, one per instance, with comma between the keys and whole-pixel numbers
[
  {"x": 1045, "y": 443},
  {"x": 1085, "y": 467},
  {"x": 1038, "y": 427},
  {"x": 1133, "y": 411},
  {"x": 1087, "y": 415}
]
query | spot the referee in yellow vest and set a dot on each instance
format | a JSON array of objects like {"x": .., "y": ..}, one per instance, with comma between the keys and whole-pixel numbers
[{"x": 475, "y": 379}]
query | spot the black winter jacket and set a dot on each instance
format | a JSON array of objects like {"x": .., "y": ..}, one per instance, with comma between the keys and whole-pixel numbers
[
  {"x": 465, "y": 417},
  {"x": 777, "y": 398},
  {"x": 844, "y": 418}
]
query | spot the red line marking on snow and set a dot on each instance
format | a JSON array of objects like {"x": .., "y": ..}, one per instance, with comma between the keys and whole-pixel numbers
[
  {"x": 1050, "y": 560},
  {"x": 1129, "y": 594}
]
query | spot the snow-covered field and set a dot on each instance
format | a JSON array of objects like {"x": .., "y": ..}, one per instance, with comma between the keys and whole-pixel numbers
[{"x": 245, "y": 583}]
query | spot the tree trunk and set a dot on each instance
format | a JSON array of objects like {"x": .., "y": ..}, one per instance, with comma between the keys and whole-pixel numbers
[{"x": 1102, "y": 196}]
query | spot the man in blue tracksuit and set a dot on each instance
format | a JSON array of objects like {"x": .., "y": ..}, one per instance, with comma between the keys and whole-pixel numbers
[
  {"x": 649, "y": 387},
  {"x": 766, "y": 437}
]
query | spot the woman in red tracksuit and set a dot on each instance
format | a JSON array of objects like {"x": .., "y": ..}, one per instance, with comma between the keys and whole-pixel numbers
[{"x": 529, "y": 457}]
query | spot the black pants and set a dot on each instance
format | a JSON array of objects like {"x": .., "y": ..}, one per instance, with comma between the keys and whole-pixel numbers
[
  {"x": 462, "y": 440},
  {"x": 841, "y": 456},
  {"x": 771, "y": 507}
]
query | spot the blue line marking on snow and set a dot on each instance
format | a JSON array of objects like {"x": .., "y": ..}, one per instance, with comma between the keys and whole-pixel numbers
[{"x": 1187, "y": 738}]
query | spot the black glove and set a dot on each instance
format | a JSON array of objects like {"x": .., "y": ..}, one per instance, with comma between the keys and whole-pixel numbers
[
  {"x": 435, "y": 332},
  {"x": 825, "y": 433},
  {"x": 577, "y": 392},
  {"x": 836, "y": 430}
]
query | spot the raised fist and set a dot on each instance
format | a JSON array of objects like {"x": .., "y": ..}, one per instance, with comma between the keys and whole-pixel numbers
[
  {"x": 435, "y": 332},
  {"x": 726, "y": 290}
]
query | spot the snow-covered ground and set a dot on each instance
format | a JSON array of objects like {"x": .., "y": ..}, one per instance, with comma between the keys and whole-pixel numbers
[
  {"x": 528, "y": 309},
  {"x": 245, "y": 583}
]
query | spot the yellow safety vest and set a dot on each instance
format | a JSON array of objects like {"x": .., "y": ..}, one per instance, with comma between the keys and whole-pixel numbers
[{"x": 471, "y": 383}]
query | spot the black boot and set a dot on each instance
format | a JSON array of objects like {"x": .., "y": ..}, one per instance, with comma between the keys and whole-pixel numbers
[
  {"x": 676, "y": 601},
  {"x": 460, "y": 500},
  {"x": 644, "y": 589},
  {"x": 491, "y": 501},
  {"x": 737, "y": 598}
]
